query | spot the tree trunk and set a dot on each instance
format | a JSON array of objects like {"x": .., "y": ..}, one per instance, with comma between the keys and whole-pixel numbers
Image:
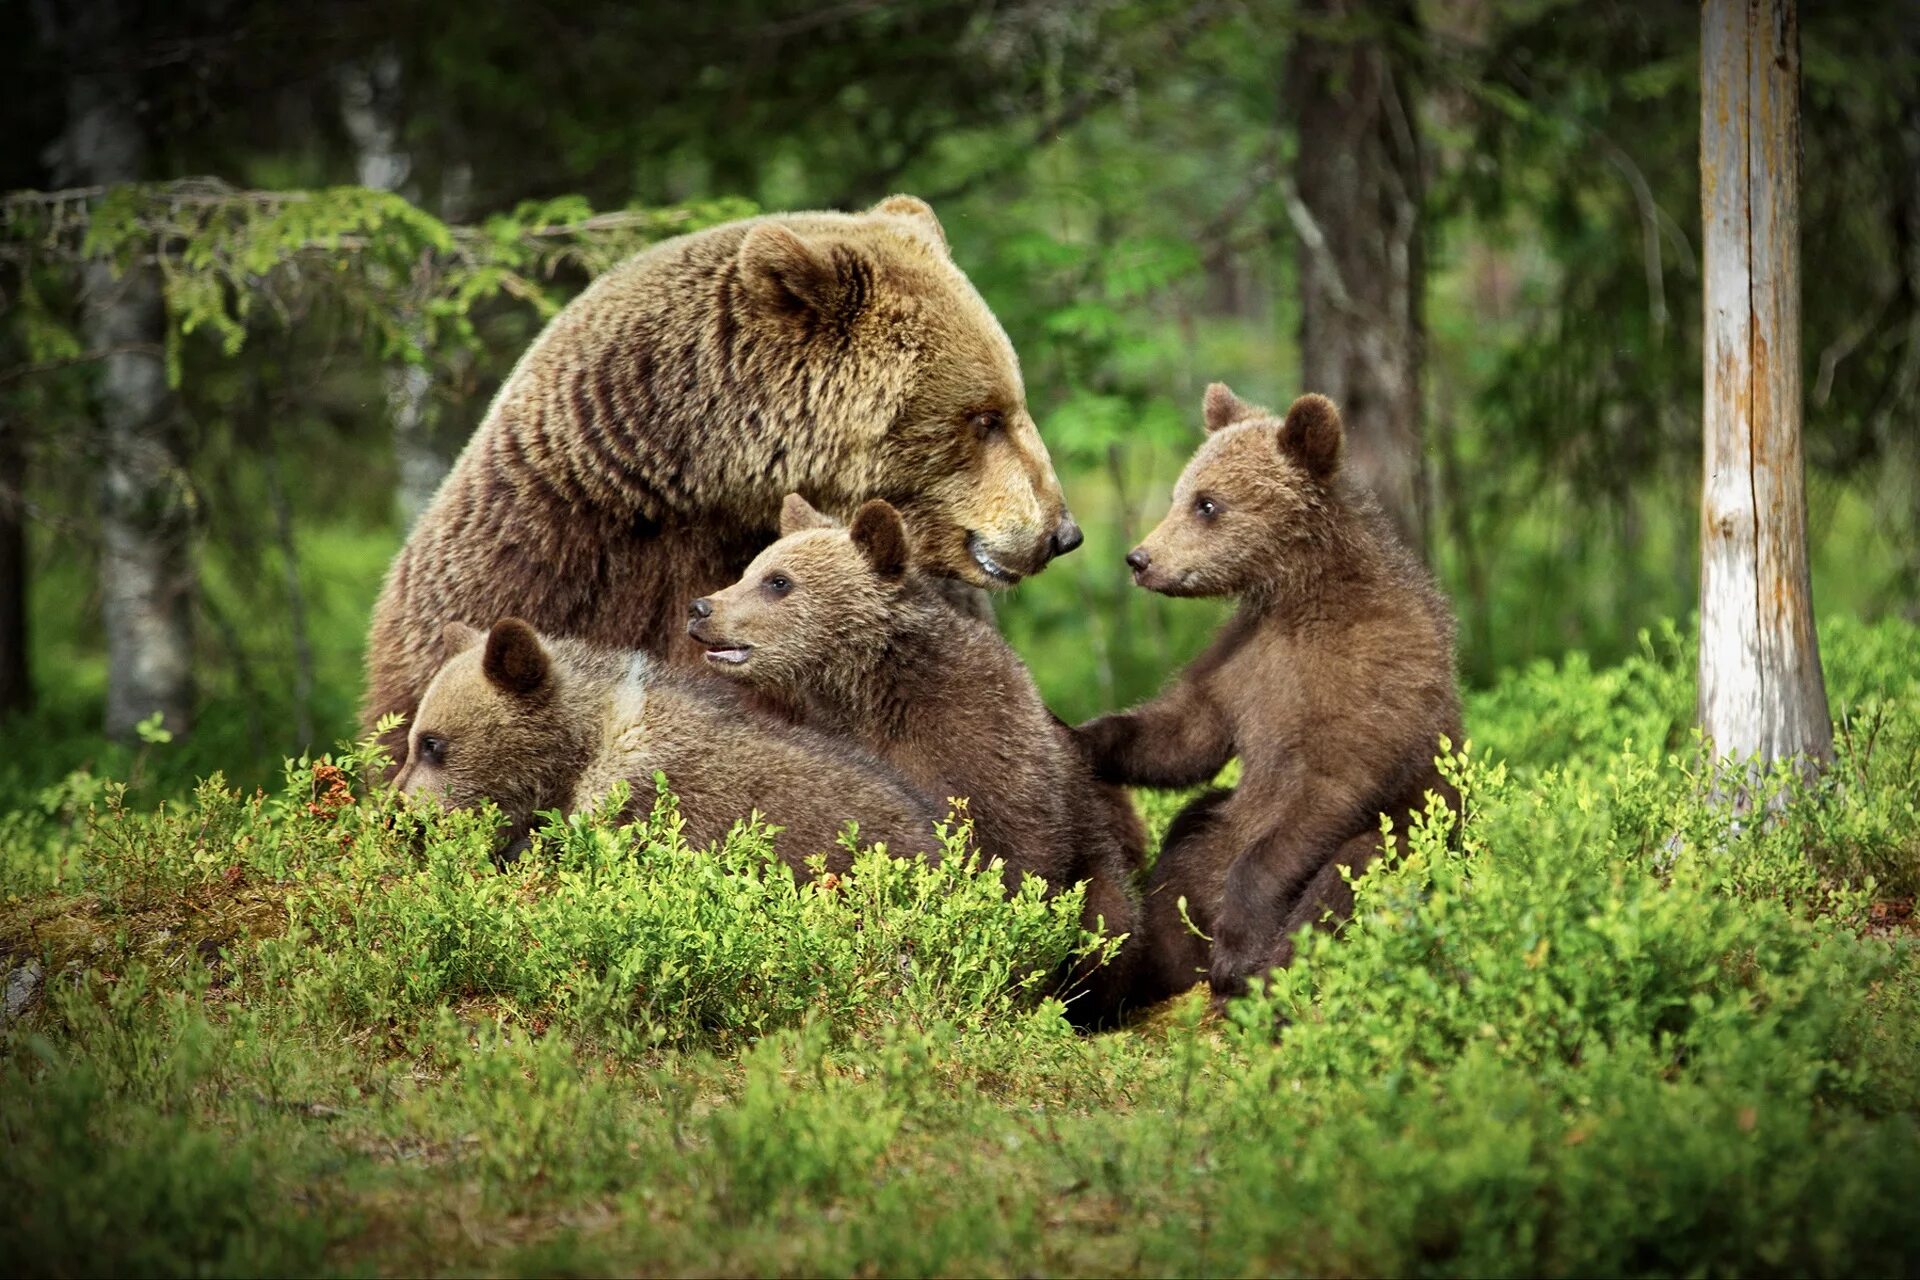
[
  {"x": 370, "y": 108},
  {"x": 16, "y": 678},
  {"x": 1356, "y": 206},
  {"x": 1761, "y": 690},
  {"x": 147, "y": 581}
]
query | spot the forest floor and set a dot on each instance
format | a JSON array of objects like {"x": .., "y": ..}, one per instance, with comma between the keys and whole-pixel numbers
[{"x": 1599, "y": 1026}]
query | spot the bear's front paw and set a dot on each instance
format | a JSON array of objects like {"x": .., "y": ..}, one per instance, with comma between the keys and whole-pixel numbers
[
  {"x": 1242, "y": 950},
  {"x": 1100, "y": 740}
]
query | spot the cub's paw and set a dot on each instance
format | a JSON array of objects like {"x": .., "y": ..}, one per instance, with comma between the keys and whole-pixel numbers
[
  {"x": 1102, "y": 739},
  {"x": 1242, "y": 950}
]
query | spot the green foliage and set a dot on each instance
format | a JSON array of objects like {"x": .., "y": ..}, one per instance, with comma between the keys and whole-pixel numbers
[
  {"x": 796, "y": 1128},
  {"x": 1599, "y": 1026},
  {"x": 633, "y": 936},
  {"x": 104, "y": 1126},
  {"x": 408, "y": 281}
]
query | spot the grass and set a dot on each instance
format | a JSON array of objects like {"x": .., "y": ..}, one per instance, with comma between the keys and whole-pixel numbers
[{"x": 1602, "y": 1027}]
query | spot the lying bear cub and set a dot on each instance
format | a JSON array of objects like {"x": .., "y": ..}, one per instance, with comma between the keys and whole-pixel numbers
[
  {"x": 1333, "y": 684},
  {"x": 534, "y": 723},
  {"x": 838, "y": 623}
]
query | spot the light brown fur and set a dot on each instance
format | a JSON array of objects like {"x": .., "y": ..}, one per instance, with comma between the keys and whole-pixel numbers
[
  {"x": 534, "y": 724},
  {"x": 1333, "y": 684},
  {"x": 637, "y": 455},
  {"x": 840, "y": 622}
]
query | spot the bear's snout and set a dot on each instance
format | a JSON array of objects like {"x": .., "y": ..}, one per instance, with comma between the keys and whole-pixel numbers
[
  {"x": 1138, "y": 559},
  {"x": 701, "y": 608},
  {"x": 1066, "y": 536}
]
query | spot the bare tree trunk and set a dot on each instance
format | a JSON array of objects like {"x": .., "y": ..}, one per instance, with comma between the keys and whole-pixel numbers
[
  {"x": 1761, "y": 689},
  {"x": 1355, "y": 203},
  {"x": 370, "y": 108},
  {"x": 16, "y": 676},
  {"x": 147, "y": 580}
]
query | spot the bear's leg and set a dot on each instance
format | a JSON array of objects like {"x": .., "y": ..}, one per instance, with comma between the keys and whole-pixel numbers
[
  {"x": 1327, "y": 900},
  {"x": 1193, "y": 864},
  {"x": 1109, "y": 907}
]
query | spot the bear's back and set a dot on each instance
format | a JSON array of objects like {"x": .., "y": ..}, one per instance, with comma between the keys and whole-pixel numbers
[{"x": 725, "y": 759}]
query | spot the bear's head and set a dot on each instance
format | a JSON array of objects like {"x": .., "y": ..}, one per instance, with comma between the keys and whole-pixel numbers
[
  {"x": 496, "y": 724},
  {"x": 926, "y": 381},
  {"x": 813, "y": 606},
  {"x": 1257, "y": 494}
]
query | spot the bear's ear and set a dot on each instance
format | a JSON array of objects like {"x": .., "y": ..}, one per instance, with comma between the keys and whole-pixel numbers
[
  {"x": 881, "y": 536},
  {"x": 515, "y": 661},
  {"x": 920, "y": 213},
  {"x": 796, "y": 513},
  {"x": 458, "y": 637},
  {"x": 1223, "y": 408},
  {"x": 784, "y": 273},
  {"x": 1312, "y": 435}
]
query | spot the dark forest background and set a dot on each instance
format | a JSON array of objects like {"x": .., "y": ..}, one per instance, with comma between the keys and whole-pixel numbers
[{"x": 1474, "y": 222}]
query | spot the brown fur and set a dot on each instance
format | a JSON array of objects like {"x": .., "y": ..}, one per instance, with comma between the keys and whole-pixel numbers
[
  {"x": 839, "y": 621},
  {"x": 534, "y": 724},
  {"x": 637, "y": 455},
  {"x": 1333, "y": 684}
]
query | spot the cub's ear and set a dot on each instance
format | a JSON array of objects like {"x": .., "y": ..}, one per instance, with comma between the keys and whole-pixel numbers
[
  {"x": 881, "y": 536},
  {"x": 796, "y": 513},
  {"x": 1223, "y": 408},
  {"x": 458, "y": 637},
  {"x": 1312, "y": 435},
  {"x": 516, "y": 662},
  {"x": 785, "y": 274},
  {"x": 920, "y": 213}
]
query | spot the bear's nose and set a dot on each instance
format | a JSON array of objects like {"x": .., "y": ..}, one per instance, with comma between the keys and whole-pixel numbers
[
  {"x": 1138, "y": 559},
  {"x": 1067, "y": 535},
  {"x": 701, "y": 608}
]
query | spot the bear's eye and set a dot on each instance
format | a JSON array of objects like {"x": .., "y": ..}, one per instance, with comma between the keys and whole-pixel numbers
[
  {"x": 779, "y": 583},
  {"x": 1206, "y": 508},
  {"x": 987, "y": 422},
  {"x": 433, "y": 750}
]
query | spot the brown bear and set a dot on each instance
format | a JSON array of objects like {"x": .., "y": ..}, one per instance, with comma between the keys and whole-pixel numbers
[
  {"x": 534, "y": 724},
  {"x": 637, "y": 455},
  {"x": 840, "y": 623},
  {"x": 1334, "y": 684}
]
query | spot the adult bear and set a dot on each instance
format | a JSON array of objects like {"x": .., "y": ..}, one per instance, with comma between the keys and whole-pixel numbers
[{"x": 637, "y": 456}]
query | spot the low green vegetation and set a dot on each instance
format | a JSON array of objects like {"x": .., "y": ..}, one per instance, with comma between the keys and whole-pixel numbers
[{"x": 1600, "y": 1026}]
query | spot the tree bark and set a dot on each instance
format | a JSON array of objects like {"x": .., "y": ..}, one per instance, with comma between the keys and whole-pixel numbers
[
  {"x": 147, "y": 579},
  {"x": 1356, "y": 205},
  {"x": 1761, "y": 689},
  {"x": 370, "y": 108},
  {"x": 16, "y": 676}
]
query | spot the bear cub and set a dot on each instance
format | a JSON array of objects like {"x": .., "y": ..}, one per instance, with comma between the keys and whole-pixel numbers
[
  {"x": 839, "y": 624},
  {"x": 1333, "y": 683},
  {"x": 535, "y": 723}
]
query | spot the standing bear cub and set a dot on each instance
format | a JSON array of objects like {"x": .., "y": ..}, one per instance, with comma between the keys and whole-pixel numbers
[
  {"x": 1334, "y": 684},
  {"x": 838, "y": 623},
  {"x": 638, "y": 453},
  {"x": 533, "y": 724}
]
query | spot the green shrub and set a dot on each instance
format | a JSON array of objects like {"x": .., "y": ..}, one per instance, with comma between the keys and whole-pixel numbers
[
  {"x": 1601, "y": 1024},
  {"x": 633, "y": 936}
]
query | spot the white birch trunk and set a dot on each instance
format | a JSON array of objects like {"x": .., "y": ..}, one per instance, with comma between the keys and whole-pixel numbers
[
  {"x": 369, "y": 94},
  {"x": 147, "y": 580},
  {"x": 1761, "y": 690}
]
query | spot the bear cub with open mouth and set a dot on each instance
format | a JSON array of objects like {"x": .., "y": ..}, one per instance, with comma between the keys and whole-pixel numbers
[{"x": 838, "y": 623}]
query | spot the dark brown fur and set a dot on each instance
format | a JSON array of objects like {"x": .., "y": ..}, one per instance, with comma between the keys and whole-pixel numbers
[
  {"x": 637, "y": 455},
  {"x": 837, "y": 620},
  {"x": 1333, "y": 684},
  {"x": 536, "y": 724}
]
